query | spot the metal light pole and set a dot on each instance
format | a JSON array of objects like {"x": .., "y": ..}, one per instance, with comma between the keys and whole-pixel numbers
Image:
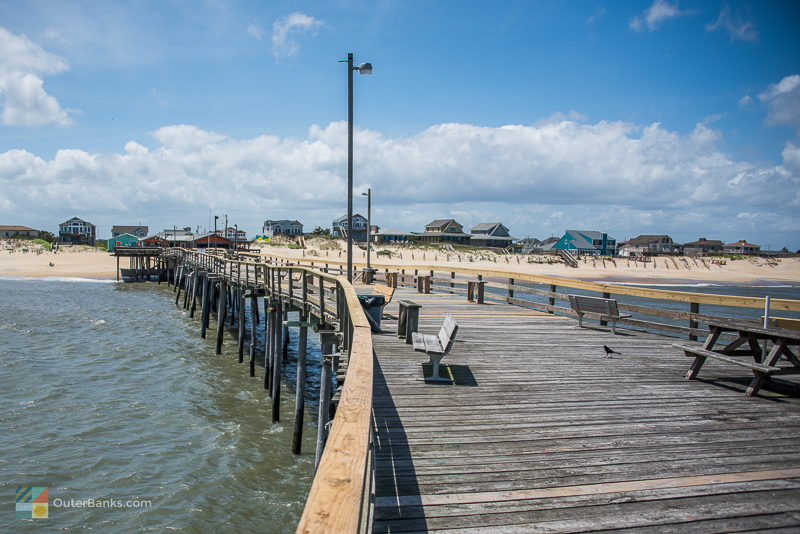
[
  {"x": 235, "y": 236},
  {"x": 363, "y": 68},
  {"x": 215, "y": 231},
  {"x": 368, "y": 194}
]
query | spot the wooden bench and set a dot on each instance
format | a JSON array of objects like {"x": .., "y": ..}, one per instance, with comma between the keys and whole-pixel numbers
[
  {"x": 386, "y": 291},
  {"x": 600, "y": 306},
  {"x": 437, "y": 347}
]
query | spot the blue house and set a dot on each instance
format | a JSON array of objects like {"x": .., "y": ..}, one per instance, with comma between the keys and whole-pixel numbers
[
  {"x": 587, "y": 242},
  {"x": 123, "y": 240}
]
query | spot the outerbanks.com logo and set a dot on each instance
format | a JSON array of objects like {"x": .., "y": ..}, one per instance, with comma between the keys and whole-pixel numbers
[{"x": 32, "y": 503}]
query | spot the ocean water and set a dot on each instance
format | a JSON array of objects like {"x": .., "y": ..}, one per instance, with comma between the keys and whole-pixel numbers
[{"x": 109, "y": 394}]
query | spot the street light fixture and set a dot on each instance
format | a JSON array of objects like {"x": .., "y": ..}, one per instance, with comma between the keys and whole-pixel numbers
[
  {"x": 368, "y": 194},
  {"x": 363, "y": 68}
]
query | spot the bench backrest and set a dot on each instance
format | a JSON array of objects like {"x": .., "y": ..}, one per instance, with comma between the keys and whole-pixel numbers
[
  {"x": 447, "y": 333},
  {"x": 594, "y": 305},
  {"x": 386, "y": 291}
]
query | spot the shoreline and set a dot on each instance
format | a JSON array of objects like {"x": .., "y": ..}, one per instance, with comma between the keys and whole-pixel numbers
[{"x": 93, "y": 264}]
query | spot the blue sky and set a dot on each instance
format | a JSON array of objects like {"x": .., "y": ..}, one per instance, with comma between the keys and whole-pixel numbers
[{"x": 634, "y": 117}]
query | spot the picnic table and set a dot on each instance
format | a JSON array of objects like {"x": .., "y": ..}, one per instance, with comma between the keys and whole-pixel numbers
[{"x": 746, "y": 350}]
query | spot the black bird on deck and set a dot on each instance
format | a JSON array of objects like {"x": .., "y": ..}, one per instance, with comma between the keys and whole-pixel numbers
[{"x": 610, "y": 351}]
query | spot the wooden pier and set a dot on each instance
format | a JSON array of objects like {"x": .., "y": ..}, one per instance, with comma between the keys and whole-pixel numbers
[{"x": 539, "y": 432}]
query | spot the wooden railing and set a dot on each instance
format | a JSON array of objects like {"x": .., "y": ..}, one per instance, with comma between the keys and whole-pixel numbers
[
  {"x": 341, "y": 490},
  {"x": 509, "y": 285}
]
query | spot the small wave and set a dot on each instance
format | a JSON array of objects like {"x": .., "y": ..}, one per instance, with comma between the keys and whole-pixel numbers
[
  {"x": 97, "y": 322},
  {"x": 56, "y": 279}
]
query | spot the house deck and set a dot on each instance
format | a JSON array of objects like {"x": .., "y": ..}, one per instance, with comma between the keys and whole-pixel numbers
[{"x": 542, "y": 432}]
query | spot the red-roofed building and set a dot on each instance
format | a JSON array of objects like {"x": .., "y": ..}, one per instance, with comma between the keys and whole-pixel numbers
[{"x": 742, "y": 247}]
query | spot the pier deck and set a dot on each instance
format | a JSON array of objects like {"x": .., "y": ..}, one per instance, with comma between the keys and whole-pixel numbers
[{"x": 542, "y": 432}]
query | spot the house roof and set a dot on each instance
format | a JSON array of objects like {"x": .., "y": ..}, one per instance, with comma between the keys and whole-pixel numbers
[
  {"x": 128, "y": 229},
  {"x": 590, "y": 234},
  {"x": 530, "y": 241},
  {"x": 485, "y": 227},
  {"x": 742, "y": 243},
  {"x": 645, "y": 239},
  {"x": 16, "y": 229},
  {"x": 76, "y": 219},
  {"x": 287, "y": 221},
  {"x": 450, "y": 234},
  {"x": 126, "y": 234},
  {"x": 489, "y": 237},
  {"x": 344, "y": 217},
  {"x": 704, "y": 241}
]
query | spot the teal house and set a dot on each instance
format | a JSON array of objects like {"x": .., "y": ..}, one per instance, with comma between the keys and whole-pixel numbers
[
  {"x": 587, "y": 242},
  {"x": 123, "y": 240}
]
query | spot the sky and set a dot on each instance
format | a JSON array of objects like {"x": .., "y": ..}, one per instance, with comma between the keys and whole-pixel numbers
[{"x": 626, "y": 117}]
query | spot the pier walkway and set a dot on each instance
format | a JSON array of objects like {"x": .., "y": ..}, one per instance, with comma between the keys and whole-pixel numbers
[{"x": 541, "y": 432}]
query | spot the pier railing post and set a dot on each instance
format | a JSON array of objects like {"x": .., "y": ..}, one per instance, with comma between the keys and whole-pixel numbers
[
  {"x": 551, "y": 301},
  {"x": 253, "y": 325},
  {"x": 327, "y": 339}
]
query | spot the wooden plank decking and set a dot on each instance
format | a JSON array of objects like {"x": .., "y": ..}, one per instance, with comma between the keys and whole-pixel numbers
[{"x": 543, "y": 433}]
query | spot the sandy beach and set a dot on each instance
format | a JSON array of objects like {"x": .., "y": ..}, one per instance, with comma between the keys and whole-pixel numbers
[{"x": 85, "y": 262}]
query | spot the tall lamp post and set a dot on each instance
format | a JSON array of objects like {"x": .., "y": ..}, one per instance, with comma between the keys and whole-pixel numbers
[
  {"x": 368, "y": 194},
  {"x": 363, "y": 68},
  {"x": 215, "y": 231}
]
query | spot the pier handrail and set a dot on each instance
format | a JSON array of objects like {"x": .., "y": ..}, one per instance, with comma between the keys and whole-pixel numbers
[
  {"x": 662, "y": 294},
  {"x": 340, "y": 492}
]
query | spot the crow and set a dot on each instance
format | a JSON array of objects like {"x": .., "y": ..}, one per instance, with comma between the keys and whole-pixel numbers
[{"x": 610, "y": 351}]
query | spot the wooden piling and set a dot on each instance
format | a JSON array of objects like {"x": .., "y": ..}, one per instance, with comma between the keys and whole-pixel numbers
[
  {"x": 205, "y": 305},
  {"x": 277, "y": 365},
  {"x": 195, "y": 286},
  {"x": 221, "y": 308},
  {"x": 239, "y": 297},
  {"x": 300, "y": 389},
  {"x": 253, "y": 325},
  {"x": 267, "y": 342},
  {"x": 327, "y": 340}
]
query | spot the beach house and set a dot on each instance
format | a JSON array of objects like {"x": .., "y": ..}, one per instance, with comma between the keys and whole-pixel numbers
[
  {"x": 587, "y": 242},
  {"x": 741, "y": 247},
  {"x": 703, "y": 246},
  {"x": 138, "y": 231},
  {"x": 77, "y": 232},
  {"x": 359, "y": 226},
  {"x": 390, "y": 235},
  {"x": 649, "y": 245},
  {"x": 123, "y": 240},
  {"x": 443, "y": 231},
  {"x": 23, "y": 231},
  {"x": 493, "y": 234},
  {"x": 272, "y": 228}
]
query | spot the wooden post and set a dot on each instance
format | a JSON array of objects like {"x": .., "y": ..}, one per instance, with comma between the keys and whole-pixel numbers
[
  {"x": 694, "y": 307},
  {"x": 267, "y": 341},
  {"x": 300, "y": 389},
  {"x": 118, "y": 267},
  {"x": 277, "y": 364},
  {"x": 221, "y": 308},
  {"x": 204, "y": 306},
  {"x": 285, "y": 334},
  {"x": 327, "y": 339},
  {"x": 253, "y": 325},
  {"x": 178, "y": 285},
  {"x": 195, "y": 285},
  {"x": 189, "y": 278},
  {"x": 452, "y": 284},
  {"x": 552, "y": 300},
  {"x": 240, "y": 321},
  {"x": 510, "y": 288}
]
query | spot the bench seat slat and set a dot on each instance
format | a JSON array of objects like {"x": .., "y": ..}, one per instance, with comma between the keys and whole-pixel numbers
[{"x": 693, "y": 352}]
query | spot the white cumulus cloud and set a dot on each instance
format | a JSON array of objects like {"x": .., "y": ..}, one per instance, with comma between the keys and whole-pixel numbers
[
  {"x": 285, "y": 29},
  {"x": 22, "y": 65}
]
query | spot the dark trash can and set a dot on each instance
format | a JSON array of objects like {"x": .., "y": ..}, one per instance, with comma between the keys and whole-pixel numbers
[{"x": 373, "y": 307}]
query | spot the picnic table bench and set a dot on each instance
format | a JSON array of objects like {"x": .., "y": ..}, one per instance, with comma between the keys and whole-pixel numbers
[
  {"x": 603, "y": 307},
  {"x": 437, "y": 346},
  {"x": 762, "y": 363}
]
